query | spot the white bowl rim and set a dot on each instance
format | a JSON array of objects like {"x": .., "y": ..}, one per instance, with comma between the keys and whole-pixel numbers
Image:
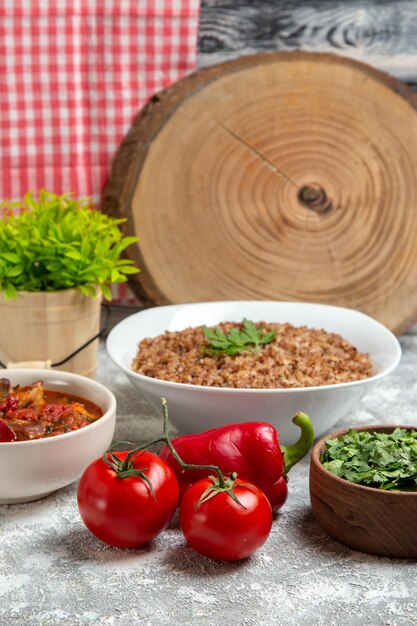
[
  {"x": 244, "y": 390},
  {"x": 66, "y": 376}
]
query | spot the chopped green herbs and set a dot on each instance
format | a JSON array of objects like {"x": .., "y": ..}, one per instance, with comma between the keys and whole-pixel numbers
[
  {"x": 247, "y": 338},
  {"x": 374, "y": 459}
]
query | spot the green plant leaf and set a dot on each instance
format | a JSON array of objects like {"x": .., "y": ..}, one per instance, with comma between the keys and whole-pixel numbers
[
  {"x": 114, "y": 276},
  {"x": 14, "y": 271},
  {"x": 9, "y": 291},
  {"x": 237, "y": 340},
  {"x": 128, "y": 269},
  {"x": 106, "y": 291},
  {"x": 50, "y": 242},
  {"x": 11, "y": 256},
  {"x": 74, "y": 254},
  {"x": 85, "y": 290},
  {"x": 268, "y": 337}
]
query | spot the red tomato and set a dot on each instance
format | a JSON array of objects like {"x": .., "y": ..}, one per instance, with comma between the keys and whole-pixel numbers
[
  {"x": 222, "y": 529},
  {"x": 122, "y": 511}
]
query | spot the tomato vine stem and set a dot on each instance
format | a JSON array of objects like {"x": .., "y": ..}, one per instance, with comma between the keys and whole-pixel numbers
[
  {"x": 125, "y": 468},
  {"x": 186, "y": 466}
]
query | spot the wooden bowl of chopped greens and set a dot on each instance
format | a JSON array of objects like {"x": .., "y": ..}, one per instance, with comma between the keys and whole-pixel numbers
[{"x": 363, "y": 488}]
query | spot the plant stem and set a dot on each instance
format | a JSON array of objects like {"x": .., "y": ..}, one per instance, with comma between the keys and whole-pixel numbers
[
  {"x": 185, "y": 466},
  {"x": 164, "y": 438}
]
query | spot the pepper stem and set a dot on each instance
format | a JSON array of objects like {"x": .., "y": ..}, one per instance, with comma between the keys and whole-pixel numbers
[{"x": 293, "y": 454}]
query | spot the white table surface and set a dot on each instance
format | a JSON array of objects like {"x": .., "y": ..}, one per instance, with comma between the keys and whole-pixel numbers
[{"x": 54, "y": 572}]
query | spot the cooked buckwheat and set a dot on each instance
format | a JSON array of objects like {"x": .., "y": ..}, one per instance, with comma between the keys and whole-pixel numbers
[{"x": 297, "y": 357}]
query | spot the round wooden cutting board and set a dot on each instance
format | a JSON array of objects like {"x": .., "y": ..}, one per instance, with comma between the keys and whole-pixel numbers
[{"x": 284, "y": 176}]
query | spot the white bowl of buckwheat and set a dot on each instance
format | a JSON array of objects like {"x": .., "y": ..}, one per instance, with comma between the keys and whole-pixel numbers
[{"x": 221, "y": 363}]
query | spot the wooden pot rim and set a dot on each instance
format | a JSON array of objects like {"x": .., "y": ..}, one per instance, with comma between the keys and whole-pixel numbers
[
  {"x": 347, "y": 484},
  {"x": 44, "y": 292},
  {"x": 72, "y": 293}
]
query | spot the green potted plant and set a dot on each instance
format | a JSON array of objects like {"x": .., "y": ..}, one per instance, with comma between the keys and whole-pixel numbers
[{"x": 58, "y": 255}]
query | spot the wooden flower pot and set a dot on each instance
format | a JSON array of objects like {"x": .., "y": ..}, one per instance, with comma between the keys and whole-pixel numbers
[{"x": 47, "y": 327}]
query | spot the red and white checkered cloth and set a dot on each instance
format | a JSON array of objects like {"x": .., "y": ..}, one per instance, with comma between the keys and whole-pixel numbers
[{"x": 73, "y": 74}]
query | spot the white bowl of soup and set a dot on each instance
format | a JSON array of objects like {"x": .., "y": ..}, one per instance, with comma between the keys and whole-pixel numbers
[{"x": 53, "y": 424}]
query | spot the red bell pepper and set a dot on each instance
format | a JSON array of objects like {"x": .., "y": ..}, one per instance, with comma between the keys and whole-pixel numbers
[{"x": 250, "y": 449}]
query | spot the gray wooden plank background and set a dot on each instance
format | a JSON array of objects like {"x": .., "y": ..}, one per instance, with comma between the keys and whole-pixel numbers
[{"x": 382, "y": 33}]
